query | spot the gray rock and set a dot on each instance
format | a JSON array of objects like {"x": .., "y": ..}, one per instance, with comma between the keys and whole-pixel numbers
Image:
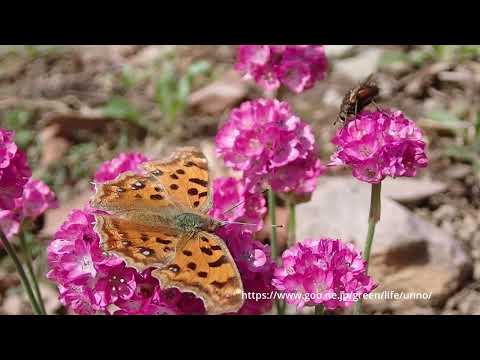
[
  {"x": 409, "y": 254},
  {"x": 466, "y": 302},
  {"x": 337, "y": 51},
  {"x": 360, "y": 66},
  {"x": 410, "y": 190},
  {"x": 458, "y": 171}
]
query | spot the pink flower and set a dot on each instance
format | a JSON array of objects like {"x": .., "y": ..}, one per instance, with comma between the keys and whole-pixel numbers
[
  {"x": 37, "y": 198},
  {"x": 229, "y": 192},
  {"x": 79, "y": 299},
  {"x": 266, "y": 141},
  {"x": 128, "y": 161},
  {"x": 114, "y": 283},
  {"x": 14, "y": 170},
  {"x": 379, "y": 144},
  {"x": 300, "y": 176},
  {"x": 10, "y": 222},
  {"x": 323, "y": 271},
  {"x": 296, "y": 66}
]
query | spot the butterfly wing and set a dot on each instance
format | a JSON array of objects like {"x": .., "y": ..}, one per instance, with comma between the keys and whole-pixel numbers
[
  {"x": 177, "y": 184},
  {"x": 140, "y": 245},
  {"x": 185, "y": 178},
  {"x": 205, "y": 267}
]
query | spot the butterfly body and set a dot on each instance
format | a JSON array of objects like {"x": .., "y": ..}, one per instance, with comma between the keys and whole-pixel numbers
[
  {"x": 189, "y": 222},
  {"x": 159, "y": 219},
  {"x": 357, "y": 98}
]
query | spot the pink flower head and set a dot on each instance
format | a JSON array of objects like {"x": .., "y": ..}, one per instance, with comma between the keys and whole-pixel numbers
[
  {"x": 128, "y": 161},
  {"x": 266, "y": 141},
  {"x": 114, "y": 283},
  {"x": 379, "y": 144},
  {"x": 37, "y": 198},
  {"x": 229, "y": 192},
  {"x": 323, "y": 271},
  {"x": 14, "y": 170},
  {"x": 296, "y": 66},
  {"x": 10, "y": 222}
]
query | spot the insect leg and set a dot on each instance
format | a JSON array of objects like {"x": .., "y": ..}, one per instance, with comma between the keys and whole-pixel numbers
[
  {"x": 379, "y": 108},
  {"x": 356, "y": 103}
]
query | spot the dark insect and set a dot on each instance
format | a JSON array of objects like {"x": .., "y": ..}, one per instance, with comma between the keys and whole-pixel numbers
[{"x": 357, "y": 98}]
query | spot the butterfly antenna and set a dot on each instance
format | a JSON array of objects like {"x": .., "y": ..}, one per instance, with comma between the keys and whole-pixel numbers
[
  {"x": 238, "y": 204},
  {"x": 244, "y": 223}
]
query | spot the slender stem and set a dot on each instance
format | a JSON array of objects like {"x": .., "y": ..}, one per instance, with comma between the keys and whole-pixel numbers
[
  {"x": 272, "y": 213},
  {"x": 373, "y": 218},
  {"x": 369, "y": 242},
  {"x": 272, "y": 207},
  {"x": 28, "y": 260},
  {"x": 23, "y": 277},
  {"x": 291, "y": 223},
  {"x": 319, "y": 310}
]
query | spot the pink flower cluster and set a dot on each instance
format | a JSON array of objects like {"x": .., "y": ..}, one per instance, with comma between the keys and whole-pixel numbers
[
  {"x": 91, "y": 281},
  {"x": 35, "y": 200},
  {"x": 14, "y": 170},
  {"x": 124, "y": 162},
  {"x": 296, "y": 66},
  {"x": 379, "y": 144},
  {"x": 265, "y": 140},
  {"x": 20, "y": 196},
  {"x": 323, "y": 271}
]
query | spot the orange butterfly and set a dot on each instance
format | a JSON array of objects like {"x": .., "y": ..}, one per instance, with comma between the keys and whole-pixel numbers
[{"x": 160, "y": 220}]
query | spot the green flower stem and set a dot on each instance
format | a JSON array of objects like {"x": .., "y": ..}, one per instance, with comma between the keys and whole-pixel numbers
[
  {"x": 291, "y": 223},
  {"x": 319, "y": 310},
  {"x": 28, "y": 260},
  {"x": 373, "y": 219},
  {"x": 23, "y": 277},
  {"x": 272, "y": 207}
]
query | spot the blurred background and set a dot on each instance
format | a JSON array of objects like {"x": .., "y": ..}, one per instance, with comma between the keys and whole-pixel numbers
[{"x": 73, "y": 107}]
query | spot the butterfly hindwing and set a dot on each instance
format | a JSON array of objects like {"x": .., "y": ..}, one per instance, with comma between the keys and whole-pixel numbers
[
  {"x": 205, "y": 267},
  {"x": 140, "y": 245}
]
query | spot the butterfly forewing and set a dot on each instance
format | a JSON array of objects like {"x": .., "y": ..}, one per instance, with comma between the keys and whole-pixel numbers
[
  {"x": 206, "y": 268},
  {"x": 184, "y": 178}
]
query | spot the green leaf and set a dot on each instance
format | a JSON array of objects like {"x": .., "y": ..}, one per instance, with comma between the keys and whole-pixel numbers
[
  {"x": 392, "y": 57},
  {"x": 198, "y": 68},
  {"x": 477, "y": 126},
  {"x": 24, "y": 138},
  {"x": 446, "y": 119},
  {"x": 120, "y": 108},
  {"x": 17, "y": 119},
  {"x": 183, "y": 89},
  {"x": 461, "y": 153},
  {"x": 127, "y": 77}
]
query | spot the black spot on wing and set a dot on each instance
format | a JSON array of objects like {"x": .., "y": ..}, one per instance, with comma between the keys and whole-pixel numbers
[
  {"x": 199, "y": 182},
  {"x": 206, "y": 250},
  {"x": 217, "y": 263}
]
